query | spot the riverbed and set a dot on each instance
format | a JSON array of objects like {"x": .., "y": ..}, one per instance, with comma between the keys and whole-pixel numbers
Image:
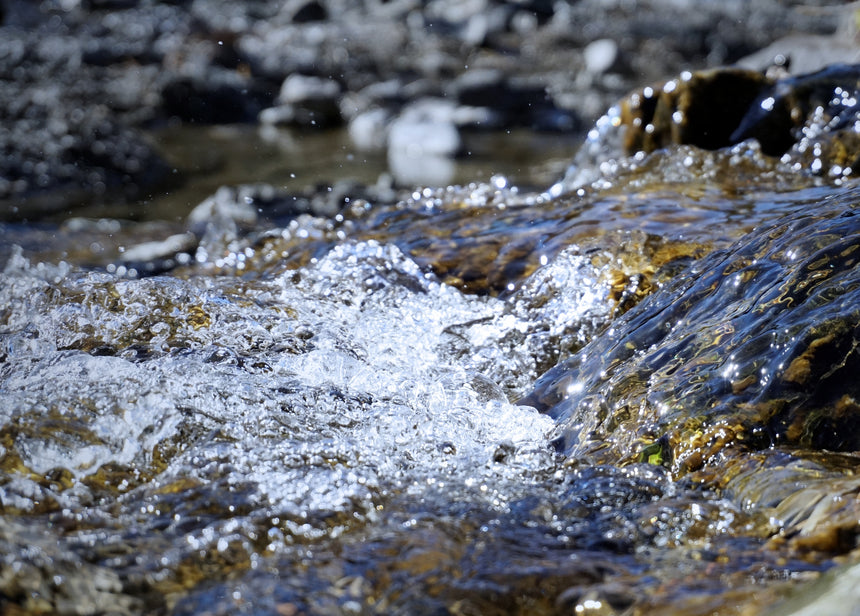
[{"x": 256, "y": 407}]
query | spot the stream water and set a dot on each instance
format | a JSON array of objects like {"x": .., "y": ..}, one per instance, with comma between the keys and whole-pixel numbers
[{"x": 480, "y": 399}]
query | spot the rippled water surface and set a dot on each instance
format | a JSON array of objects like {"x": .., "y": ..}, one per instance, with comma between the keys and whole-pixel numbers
[{"x": 318, "y": 414}]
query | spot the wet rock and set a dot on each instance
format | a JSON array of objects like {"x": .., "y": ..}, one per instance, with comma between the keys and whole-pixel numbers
[
  {"x": 63, "y": 141},
  {"x": 304, "y": 11},
  {"x": 390, "y": 94},
  {"x": 811, "y": 498},
  {"x": 811, "y": 119},
  {"x": 303, "y": 89},
  {"x": 335, "y": 436},
  {"x": 476, "y": 22},
  {"x": 427, "y": 127},
  {"x": 486, "y": 88},
  {"x": 497, "y": 236},
  {"x": 235, "y": 206},
  {"x": 50, "y": 581},
  {"x": 158, "y": 256},
  {"x": 694, "y": 378},
  {"x": 220, "y": 97},
  {"x": 218, "y": 220},
  {"x": 702, "y": 109},
  {"x": 807, "y": 121}
]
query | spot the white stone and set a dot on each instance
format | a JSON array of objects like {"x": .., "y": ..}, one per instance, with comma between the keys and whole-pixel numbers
[{"x": 600, "y": 55}]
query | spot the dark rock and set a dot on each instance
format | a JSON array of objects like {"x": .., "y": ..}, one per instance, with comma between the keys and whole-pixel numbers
[
  {"x": 542, "y": 8},
  {"x": 19, "y": 13},
  {"x": 702, "y": 109},
  {"x": 306, "y": 12},
  {"x": 109, "y": 4},
  {"x": 482, "y": 88},
  {"x": 780, "y": 112},
  {"x": 809, "y": 121},
  {"x": 515, "y": 102},
  {"x": 220, "y": 97}
]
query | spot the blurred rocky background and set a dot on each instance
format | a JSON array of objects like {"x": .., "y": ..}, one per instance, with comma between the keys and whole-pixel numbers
[{"x": 85, "y": 84}]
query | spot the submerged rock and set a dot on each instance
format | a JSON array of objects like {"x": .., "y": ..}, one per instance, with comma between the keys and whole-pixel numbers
[
  {"x": 753, "y": 348},
  {"x": 309, "y": 417}
]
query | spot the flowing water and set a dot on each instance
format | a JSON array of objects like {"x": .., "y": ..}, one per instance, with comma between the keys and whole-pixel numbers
[{"x": 358, "y": 412}]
